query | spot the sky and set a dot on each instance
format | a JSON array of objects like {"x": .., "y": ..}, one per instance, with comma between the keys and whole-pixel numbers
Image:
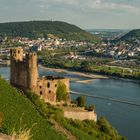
[{"x": 87, "y": 14}]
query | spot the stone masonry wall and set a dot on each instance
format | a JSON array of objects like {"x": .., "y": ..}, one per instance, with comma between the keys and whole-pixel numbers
[
  {"x": 47, "y": 88},
  {"x": 81, "y": 115},
  {"x": 23, "y": 73}
]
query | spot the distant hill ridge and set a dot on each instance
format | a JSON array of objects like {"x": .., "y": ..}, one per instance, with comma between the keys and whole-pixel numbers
[
  {"x": 134, "y": 34},
  {"x": 36, "y": 29}
]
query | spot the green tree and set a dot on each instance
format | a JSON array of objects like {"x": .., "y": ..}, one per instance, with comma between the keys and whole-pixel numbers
[
  {"x": 85, "y": 65},
  {"x": 81, "y": 101},
  {"x": 61, "y": 92}
]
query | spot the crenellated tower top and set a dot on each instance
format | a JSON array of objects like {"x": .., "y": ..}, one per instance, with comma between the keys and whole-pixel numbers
[
  {"x": 17, "y": 54},
  {"x": 24, "y": 72}
]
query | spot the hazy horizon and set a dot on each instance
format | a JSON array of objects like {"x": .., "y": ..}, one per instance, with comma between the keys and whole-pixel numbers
[{"x": 89, "y": 14}]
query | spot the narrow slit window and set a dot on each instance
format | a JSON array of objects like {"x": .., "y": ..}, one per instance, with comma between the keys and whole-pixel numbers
[
  {"x": 40, "y": 92},
  {"x": 48, "y": 85}
]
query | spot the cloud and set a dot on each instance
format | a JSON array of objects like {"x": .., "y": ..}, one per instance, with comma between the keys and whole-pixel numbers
[
  {"x": 83, "y": 5},
  {"x": 98, "y": 4},
  {"x": 104, "y": 5},
  {"x": 93, "y": 5},
  {"x": 80, "y": 12}
]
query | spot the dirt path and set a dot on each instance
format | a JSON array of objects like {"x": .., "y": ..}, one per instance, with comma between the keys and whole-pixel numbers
[{"x": 64, "y": 131}]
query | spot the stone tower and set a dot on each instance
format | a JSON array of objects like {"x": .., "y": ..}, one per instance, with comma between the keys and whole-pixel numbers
[
  {"x": 32, "y": 72},
  {"x": 24, "y": 73}
]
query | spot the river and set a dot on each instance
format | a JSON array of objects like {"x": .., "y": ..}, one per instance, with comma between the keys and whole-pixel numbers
[{"x": 124, "y": 117}]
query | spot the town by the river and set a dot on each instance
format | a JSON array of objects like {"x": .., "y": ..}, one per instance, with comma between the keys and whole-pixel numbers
[{"x": 124, "y": 117}]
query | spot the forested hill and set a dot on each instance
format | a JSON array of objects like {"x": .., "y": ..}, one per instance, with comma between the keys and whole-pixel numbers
[
  {"x": 134, "y": 34},
  {"x": 35, "y": 29}
]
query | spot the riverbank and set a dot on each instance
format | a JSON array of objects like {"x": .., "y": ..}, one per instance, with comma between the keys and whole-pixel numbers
[
  {"x": 92, "y": 76},
  {"x": 82, "y": 74},
  {"x": 126, "y": 80},
  {"x": 5, "y": 63}
]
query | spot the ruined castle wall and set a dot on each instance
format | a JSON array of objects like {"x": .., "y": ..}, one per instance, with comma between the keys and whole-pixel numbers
[
  {"x": 18, "y": 69},
  {"x": 23, "y": 69},
  {"x": 24, "y": 75},
  {"x": 19, "y": 75},
  {"x": 83, "y": 115},
  {"x": 47, "y": 88}
]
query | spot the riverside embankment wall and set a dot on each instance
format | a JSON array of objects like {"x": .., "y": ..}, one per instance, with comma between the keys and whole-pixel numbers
[{"x": 81, "y": 115}]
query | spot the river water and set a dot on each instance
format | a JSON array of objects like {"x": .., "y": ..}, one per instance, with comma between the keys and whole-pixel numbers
[{"x": 124, "y": 117}]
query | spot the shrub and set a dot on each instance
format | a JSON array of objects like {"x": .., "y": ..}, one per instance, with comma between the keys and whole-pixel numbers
[
  {"x": 61, "y": 92},
  {"x": 81, "y": 101},
  {"x": 46, "y": 109},
  {"x": 107, "y": 130}
]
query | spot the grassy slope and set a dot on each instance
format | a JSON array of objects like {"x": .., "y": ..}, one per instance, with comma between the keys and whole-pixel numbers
[
  {"x": 34, "y": 29},
  {"x": 19, "y": 111},
  {"x": 84, "y": 130}
]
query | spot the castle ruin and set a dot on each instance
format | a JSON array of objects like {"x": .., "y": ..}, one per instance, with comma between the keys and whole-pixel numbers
[{"x": 24, "y": 75}]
